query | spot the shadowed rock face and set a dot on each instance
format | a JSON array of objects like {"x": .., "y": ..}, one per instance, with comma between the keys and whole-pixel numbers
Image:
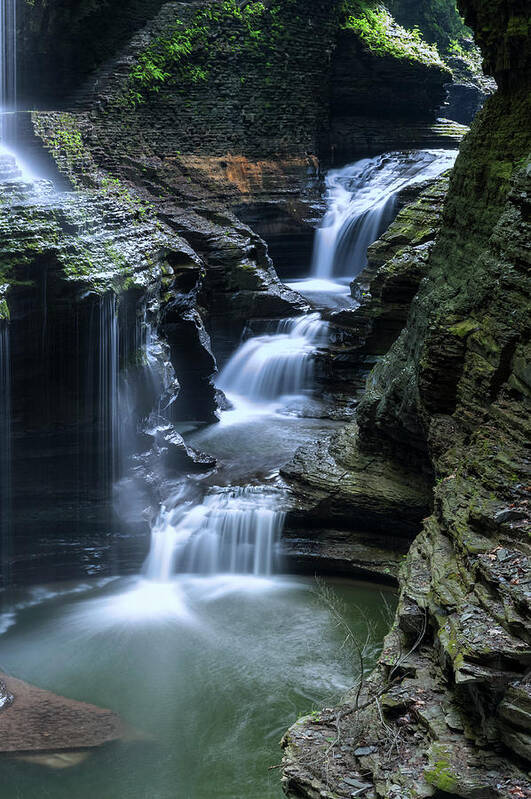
[
  {"x": 60, "y": 43},
  {"x": 446, "y": 713},
  {"x": 82, "y": 274},
  {"x": 37, "y": 722}
]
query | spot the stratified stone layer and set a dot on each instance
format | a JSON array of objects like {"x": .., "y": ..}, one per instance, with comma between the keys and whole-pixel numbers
[{"x": 446, "y": 713}]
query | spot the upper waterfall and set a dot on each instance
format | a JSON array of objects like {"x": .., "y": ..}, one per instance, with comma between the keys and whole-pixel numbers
[
  {"x": 361, "y": 203},
  {"x": 8, "y": 64}
]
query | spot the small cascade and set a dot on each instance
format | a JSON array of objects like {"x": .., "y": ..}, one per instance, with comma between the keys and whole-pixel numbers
[
  {"x": 361, "y": 202},
  {"x": 234, "y": 531},
  {"x": 5, "y": 448},
  {"x": 311, "y": 327},
  {"x": 267, "y": 367}
]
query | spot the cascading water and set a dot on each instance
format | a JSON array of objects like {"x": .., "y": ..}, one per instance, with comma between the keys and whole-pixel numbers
[
  {"x": 267, "y": 367},
  {"x": 103, "y": 390},
  {"x": 5, "y": 449},
  {"x": 109, "y": 420},
  {"x": 8, "y": 65},
  {"x": 234, "y": 531},
  {"x": 361, "y": 202}
]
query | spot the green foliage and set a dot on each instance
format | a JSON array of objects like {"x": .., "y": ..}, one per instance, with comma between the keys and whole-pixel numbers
[
  {"x": 168, "y": 59},
  {"x": 187, "y": 52},
  {"x": 383, "y": 36},
  {"x": 439, "y": 20},
  {"x": 67, "y": 140},
  {"x": 114, "y": 188}
]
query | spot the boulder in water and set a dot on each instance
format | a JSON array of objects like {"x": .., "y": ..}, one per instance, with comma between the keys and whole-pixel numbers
[{"x": 35, "y": 721}]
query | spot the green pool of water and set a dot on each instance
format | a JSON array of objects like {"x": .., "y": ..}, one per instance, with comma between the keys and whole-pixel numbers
[{"x": 210, "y": 671}]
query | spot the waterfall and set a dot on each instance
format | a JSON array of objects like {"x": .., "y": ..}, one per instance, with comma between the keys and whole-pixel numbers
[
  {"x": 103, "y": 387},
  {"x": 234, "y": 531},
  {"x": 8, "y": 64},
  {"x": 159, "y": 369},
  {"x": 5, "y": 449},
  {"x": 267, "y": 367},
  {"x": 361, "y": 204}
]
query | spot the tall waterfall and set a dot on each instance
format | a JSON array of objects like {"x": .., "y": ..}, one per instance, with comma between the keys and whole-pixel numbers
[
  {"x": 108, "y": 386},
  {"x": 267, "y": 367},
  {"x": 361, "y": 203},
  {"x": 103, "y": 395},
  {"x": 5, "y": 448},
  {"x": 234, "y": 531},
  {"x": 8, "y": 64}
]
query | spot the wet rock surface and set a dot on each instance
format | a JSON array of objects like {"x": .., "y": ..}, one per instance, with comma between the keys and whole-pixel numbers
[
  {"x": 337, "y": 483},
  {"x": 445, "y": 712},
  {"x": 81, "y": 267},
  {"x": 38, "y": 721}
]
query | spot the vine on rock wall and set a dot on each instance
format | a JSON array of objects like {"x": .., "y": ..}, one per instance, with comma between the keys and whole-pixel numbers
[{"x": 185, "y": 53}]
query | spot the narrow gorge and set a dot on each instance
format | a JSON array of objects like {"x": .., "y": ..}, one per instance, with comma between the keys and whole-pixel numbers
[{"x": 264, "y": 399}]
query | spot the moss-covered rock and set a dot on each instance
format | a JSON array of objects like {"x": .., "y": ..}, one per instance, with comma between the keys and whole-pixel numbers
[{"x": 453, "y": 392}]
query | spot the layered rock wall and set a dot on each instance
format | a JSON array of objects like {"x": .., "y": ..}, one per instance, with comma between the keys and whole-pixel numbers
[{"x": 447, "y": 711}]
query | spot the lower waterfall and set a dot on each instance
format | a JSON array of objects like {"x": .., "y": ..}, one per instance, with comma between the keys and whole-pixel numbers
[{"x": 234, "y": 531}]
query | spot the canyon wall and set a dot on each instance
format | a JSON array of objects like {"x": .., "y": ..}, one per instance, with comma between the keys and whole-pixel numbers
[{"x": 446, "y": 713}]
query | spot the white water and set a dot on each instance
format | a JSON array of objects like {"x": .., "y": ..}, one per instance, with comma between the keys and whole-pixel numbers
[
  {"x": 233, "y": 531},
  {"x": 266, "y": 368},
  {"x": 108, "y": 389},
  {"x": 361, "y": 200},
  {"x": 12, "y": 165},
  {"x": 8, "y": 65}
]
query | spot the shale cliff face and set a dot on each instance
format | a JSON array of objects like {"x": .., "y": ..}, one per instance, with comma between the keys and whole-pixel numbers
[
  {"x": 267, "y": 98},
  {"x": 447, "y": 711}
]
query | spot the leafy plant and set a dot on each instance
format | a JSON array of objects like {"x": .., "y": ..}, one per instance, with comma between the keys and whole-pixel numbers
[{"x": 382, "y": 35}]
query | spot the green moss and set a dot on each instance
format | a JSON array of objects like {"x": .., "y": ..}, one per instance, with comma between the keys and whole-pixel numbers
[
  {"x": 518, "y": 26},
  {"x": 464, "y": 328},
  {"x": 113, "y": 187},
  {"x": 441, "y": 776},
  {"x": 502, "y": 170},
  {"x": 440, "y": 773},
  {"x": 68, "y": 141}
]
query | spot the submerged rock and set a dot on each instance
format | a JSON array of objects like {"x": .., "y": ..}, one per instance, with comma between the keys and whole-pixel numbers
[{"x": 40, "y": 722}]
